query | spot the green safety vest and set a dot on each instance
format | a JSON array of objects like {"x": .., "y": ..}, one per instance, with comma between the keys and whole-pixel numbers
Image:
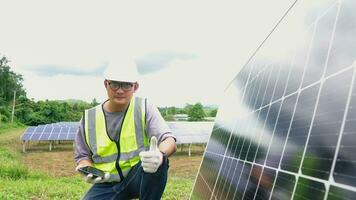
[{"x": 117, "y": 158}]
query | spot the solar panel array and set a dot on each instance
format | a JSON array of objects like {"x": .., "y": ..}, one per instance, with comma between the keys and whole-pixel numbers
[
  {"x": 191, "y": 132},
  {"x": 186, "y": 132},
  {"x": 287, "y": 128},
  {"x": 51, "y": 132}
]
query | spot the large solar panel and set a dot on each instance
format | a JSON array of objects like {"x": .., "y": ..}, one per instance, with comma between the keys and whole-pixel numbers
[{"x": 287, "y": 127}]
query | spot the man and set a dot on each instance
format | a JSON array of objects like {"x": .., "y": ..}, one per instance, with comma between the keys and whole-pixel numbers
[{"x": 127, "y": 138}]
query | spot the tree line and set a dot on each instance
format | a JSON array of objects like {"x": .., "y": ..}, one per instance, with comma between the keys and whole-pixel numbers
[
  {"x": 195, "y": 112},
  {"x": 28, "y": 111},
  {"x": 32, "y": 113}
]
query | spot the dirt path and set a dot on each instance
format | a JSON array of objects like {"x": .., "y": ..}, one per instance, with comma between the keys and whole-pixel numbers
[{"x": 57, "y": 163}]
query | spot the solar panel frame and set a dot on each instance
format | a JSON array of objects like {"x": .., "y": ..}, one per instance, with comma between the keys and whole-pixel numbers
[{"x": 315, "y": 158}]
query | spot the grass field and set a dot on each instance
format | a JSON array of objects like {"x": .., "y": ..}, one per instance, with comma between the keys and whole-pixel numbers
[{"x": 43, "y": 174}]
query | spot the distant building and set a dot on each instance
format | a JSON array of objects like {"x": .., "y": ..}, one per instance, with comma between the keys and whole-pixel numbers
[
  {"x": 180, "y": 117},
  {"x": 209, "y": 118}
]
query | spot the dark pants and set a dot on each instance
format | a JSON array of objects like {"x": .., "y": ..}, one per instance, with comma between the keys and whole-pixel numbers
[{"x": 138, "y": 184}]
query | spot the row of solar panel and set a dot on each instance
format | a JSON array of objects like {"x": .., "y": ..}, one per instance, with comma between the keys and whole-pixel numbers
[
  {"x": 186, "y": 132},
  {"x": 191, "y": 132},
  {"x": 49, "y": 132}
]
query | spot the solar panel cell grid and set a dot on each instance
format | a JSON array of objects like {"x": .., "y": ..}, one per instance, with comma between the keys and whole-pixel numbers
[
  {"x": 320, "y": 46},
  {"x": 346, "y": 159},
  {"x": 336, "y": 193},
  {"x": 37, "y": 133},
  {"x": 28, "y": 133},
  {"x": 342, "y": 52},
  {"x": 242, "y": 182},
  {"x": 222, "y": 179},
  {"x": 266, "y": 136},
  {"x": 299, "y": 129},
  {"x": 325, "y": 130},
  {"x": 309, "y": 189},
  {"x": 280, "y": 134},
  {"x": 252, "y": 185},
  {"x": 283, "y": 186},
  {"x": 265, "y": 184}
]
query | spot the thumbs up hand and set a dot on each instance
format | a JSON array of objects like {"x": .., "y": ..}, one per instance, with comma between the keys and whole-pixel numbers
[{"x": 152, "y": 159}]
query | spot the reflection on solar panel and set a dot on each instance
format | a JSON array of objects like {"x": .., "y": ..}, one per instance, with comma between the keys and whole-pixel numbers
[
  {"x": 287, "y": 127},
  {"x": 60, "y": 131},
  {"x": 191, "y": 132}
]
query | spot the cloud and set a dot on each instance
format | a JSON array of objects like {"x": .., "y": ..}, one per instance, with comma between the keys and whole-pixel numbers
[
  {"x": 56, "y": 70},
  {"x": 187, "y": 51},
  {"x": 61, "y": 87},
  {"x": 155, "y": 61}
]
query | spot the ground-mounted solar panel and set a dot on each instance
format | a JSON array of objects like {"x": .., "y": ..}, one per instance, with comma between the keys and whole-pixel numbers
[
  {"x": 287, "y": 126},
  {"x": 55, "y": 132},
  {"x": 67, "y": 124},
  {"x": 191, "y": 132},
  {"x": 186, "y": 132},
  {"x": 72, "y": 132},
  {"x": 37, "y": 133},
  {"x": 47, "y": 131},
  {"x": 28, "y": 133}
]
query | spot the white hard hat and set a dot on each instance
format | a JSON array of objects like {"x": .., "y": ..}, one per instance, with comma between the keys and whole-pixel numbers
[{"x": 123, "y": 70}]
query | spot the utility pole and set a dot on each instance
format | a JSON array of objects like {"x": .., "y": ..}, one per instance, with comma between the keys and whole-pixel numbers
[{"x": 13, "y": 108}]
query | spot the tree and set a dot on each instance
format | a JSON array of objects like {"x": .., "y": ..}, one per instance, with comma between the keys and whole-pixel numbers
[
  {"x": 172, "y": 110},
  {"x": 169, "y": 117},
  {"x": 28, "y": 111},
  {"x": 187, "y": 107},
  {"x": 196, "y": 112},
  {"x": 162, "y": 111},
  {"x": 181, "y": 111},
  {"x": 94, "y": 102},
  {"x": 9, "y": 81},
  {"x": 213, "y": 112},
  {"x": 23, "y": 108}
]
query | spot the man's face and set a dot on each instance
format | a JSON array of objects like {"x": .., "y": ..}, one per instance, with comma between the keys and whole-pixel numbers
[{"x": 120, "y": 93}]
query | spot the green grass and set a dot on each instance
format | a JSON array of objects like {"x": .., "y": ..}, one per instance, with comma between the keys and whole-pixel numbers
[
  {"x": 42, "y": 187},
  {"x": 6, "y": 127},
  {"x": 18, "y": 182},
  {"x": 11, "y": 167},
  {"x": 178, "y": 188}
]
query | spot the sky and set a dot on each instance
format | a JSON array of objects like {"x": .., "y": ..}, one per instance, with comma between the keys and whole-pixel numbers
[{"x": 186, "y": 51}]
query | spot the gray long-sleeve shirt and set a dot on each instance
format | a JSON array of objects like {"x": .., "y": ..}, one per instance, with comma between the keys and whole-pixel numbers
[{"x": 155, "y": 126}]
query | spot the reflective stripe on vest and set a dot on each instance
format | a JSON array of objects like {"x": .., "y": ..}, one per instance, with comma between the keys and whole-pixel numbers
[{"x": 132, "y": 140}]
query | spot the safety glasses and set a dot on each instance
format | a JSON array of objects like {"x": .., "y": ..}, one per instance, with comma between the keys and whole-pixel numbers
[{"x": 115, "y": 85}]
